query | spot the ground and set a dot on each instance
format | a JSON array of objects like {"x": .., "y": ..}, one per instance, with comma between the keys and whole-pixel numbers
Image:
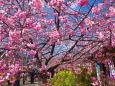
[{"x": 28, "y": 84}]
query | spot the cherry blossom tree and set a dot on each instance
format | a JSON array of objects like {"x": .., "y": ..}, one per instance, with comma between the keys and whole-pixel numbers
[
  {"x": 8, "y": 69},
  {"x": 56, "y": 32}
]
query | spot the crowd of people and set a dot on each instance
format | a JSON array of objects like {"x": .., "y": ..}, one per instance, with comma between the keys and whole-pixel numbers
[{"x": 24, "y": 76}]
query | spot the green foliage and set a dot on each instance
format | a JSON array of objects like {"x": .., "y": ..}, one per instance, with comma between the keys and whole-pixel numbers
[
  {"x": 84, "y": 79},
  {"x": 63, "y": 78},
  {"x": 67, "y": 78}
]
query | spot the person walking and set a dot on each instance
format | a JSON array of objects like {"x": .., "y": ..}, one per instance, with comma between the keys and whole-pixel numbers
[
  {"x": 9, "y": 83},
  {"x": 24, "y": 77},
  {"x": 32, "y": 76},
  {"x": 17, "y": 82}
]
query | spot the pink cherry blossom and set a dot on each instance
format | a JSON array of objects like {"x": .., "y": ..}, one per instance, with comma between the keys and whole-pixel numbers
[
  {"x": 58, "y": 43},
  {"x": 89, "y": 22},
  {"x": 50, "y": 22},
  {"x": 32, "y": 52},
  {"x": 69, "y": 3},
  {"x": 57, "y": 3},
  {"x": 11, "y": 1},
  {"x": 9, "y": 54},
  {"x": 15, "y": 36},
  {"x": 38, "y": 26},
  {"x": 112, "y": 11},
  {"x": 31, "y": 45},
  {"x": 55, "y": 14},
  {"x": 83, "y": 31},
  {"x": 51, "y": 42},
  {"x": 93, "y": 78},
  {"x": 95, "y": 10},
  {"x": 63, "y": 19},
  {"x": 100, "y": 35},
  {"x": 38, "y": 4},
  {"x": 48, "y": 73},
  {"x": 22, "y": 14},
  {"x": 64, "y": 8},
  {"x": 83, "y": 2},
  {"x": 95, "y": 83},
  {"x": 25, "y": 31},
  {"x": 54, "y": 34}
]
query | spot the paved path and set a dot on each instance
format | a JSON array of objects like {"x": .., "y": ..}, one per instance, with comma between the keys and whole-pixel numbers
[{"x": 35, "y": 84}]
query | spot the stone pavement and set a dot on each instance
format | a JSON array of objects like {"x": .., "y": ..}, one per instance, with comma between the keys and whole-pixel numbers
[{"x": 28, "y": 84}]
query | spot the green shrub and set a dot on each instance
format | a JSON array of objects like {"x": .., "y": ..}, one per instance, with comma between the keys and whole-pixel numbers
[
  {"x": 84, "y": 79},
  {"x": 63, "y": 78}
]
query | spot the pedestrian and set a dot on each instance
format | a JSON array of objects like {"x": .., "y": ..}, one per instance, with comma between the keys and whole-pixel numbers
[
  {"x": 9, "y": 83},
  {"x": 32, "y": 76},
  {"x": 24, "y": 77},
  {"x": 17, "y": 82}
]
